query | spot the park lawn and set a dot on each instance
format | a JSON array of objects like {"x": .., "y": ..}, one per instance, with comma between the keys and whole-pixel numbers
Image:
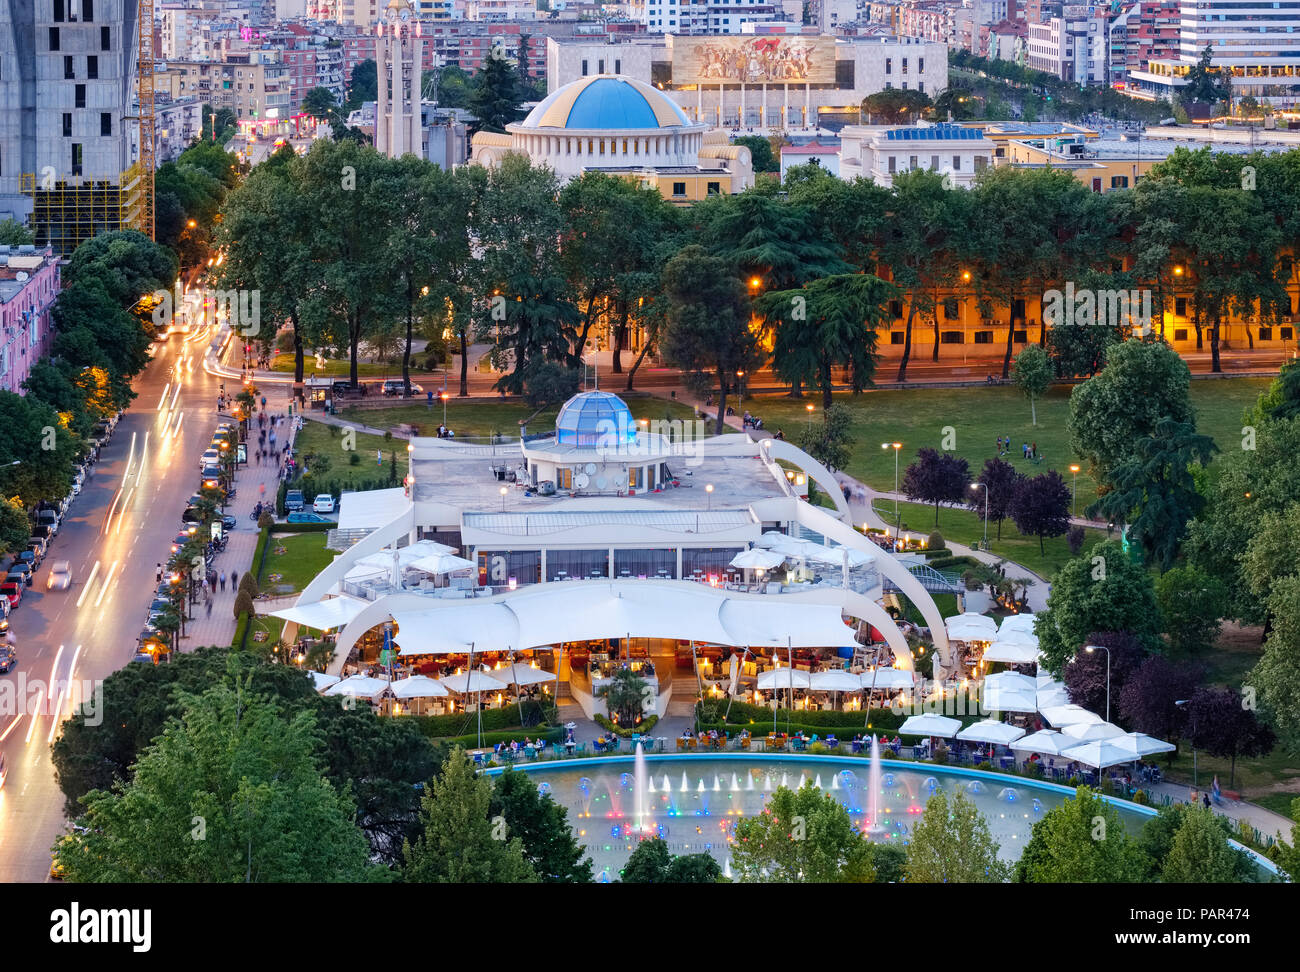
[
  {"x": 977, "y": 415},
  {"x": 965, "y": 527},
  {"x": 328, "y": 440},
  {"x": 340, "y": 368},
  {"x": 481, "y": 418},
  {"x": 297, "y": 558},
  {"x": 273, "y": 627},
  {"x": 1274, "y": 777}
]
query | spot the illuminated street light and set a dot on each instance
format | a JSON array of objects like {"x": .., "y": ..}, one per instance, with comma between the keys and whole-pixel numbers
[{"x": 709, "y": 489}]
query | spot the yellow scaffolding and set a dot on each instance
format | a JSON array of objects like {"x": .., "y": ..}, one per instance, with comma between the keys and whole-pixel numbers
[{"x": 68, "y": 211}]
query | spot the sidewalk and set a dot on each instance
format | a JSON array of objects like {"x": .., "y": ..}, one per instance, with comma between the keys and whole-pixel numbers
[
  {"x": 218, "y": 628},
  {"x": 1266, "y": 822}
]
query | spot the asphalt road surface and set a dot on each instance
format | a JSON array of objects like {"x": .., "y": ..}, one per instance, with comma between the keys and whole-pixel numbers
[{"x": 114, "y": 534}]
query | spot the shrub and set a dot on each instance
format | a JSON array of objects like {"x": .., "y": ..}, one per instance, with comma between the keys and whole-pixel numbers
[
  {"x": 941, "y": 755},
  {"x": 444, "y": 726},
  {"x": 935, "y": 541},
  {"x": 1074, "y": 537},
  {"x": 644, "y": 726},
  {"x": 243, "y": 603},
  {"x": 265, "y": 521}
]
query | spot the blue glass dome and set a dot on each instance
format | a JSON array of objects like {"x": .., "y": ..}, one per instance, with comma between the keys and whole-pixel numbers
[
  {"x": 594, "y": 418},
  {"x": 606, "y": 102}
]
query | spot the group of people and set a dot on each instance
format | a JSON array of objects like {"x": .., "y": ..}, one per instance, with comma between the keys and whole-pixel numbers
[
  {"x": 1028, "y": 450},
  {"x": 445, "y": 433},
  {"x": 752, "y": 422}
]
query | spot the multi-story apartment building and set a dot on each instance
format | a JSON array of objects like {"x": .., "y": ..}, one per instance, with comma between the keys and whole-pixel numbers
[
  {"x": 1142, "y": 31},
  {"x": 65, "y": 85},
  {"x": 1074, "y": 46},
  {"x": 464, "y": 44},
  {"x": 707, "y": 16},
  {"x": 254, "y": 84},
  {"x": 501, "y": 11},
  {"x": 29, "y": 282}
]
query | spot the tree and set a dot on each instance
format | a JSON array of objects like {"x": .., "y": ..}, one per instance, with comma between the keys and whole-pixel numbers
[
  {"x": 1191, "y": 604},
  {"x": 937, "y": 477},
  {"x": 1282, "y": 399},
  {"x": 36, "y": 450},
  {"x": 1142, "y": 383},
  {"x": 1219, "y": 722},
  {"x": 320, "y": 104},
  {"x": 1200, "y": 852},
  {"x": 760, "y": 150},
  {"x": 363, "y": 84},
  {"x": 1154, "y": 489},
  {"x": 1103, "y": 591},
  {"x": 708, "y": 335},
  {"x": 1086, "y": 675},
  {"x": 693, "y": 869},
  {"x": 1079, "y": 349},
  {"x": 830, "y": 442},
  {"x": 625, "y": 696},
  {"x": 494, "y": 94},
  {"x": 1082, "y": 841},
  {"x": 1276, "y": 675},
  {"x": 1041, "y": 506},
  {"x": 1032, "y": 373},
  {"x": 457, "y": 843},
  {"x": 829, "y": 323},
  {"x": 651, "y": 863},
  {"x": 951, "y": 844},
  {"x": 230, "y": 792},
  {"x": 543, "y": 827},
  {"x": 1206, "y": 83},
  {"x": 895, "y": 106},
  {"x": 1000, "y": 481},
  {"x": 1148, "y": 701},
  {"x": 14, "y": 233},
  {"x": 15, "y": 528},
  {"x": 802, "y": 836}
]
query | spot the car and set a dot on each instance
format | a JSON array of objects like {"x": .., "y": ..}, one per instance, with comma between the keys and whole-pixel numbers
[
  {"x": 324, "y": 504},
  {"x": 42, "y": 532},
  {"x": 192, "y": 514},
  {"x": 38, "y": 547},
  {"x": 23, "y": 569},
  {"x": 180, "y": 540},
  {"x": 27, "y": 557},
  {"x": 228, "y": 523},
  {"x": 212, "y": 479},
  {"x": 8, "y": 659},
  {"x": 13, "y": 591},
  {"x": 307, "y": 518},
  {"x": 48, "y": 517},
  {"x": 60, "y": 576},
  {"x": 293, "y": 501},
  {"x": 394, "y": 387},
  {"x": 209, "y": 458}
]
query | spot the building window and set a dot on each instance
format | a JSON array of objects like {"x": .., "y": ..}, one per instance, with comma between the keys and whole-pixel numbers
[
  {"x": 103, "y": 38},
  {"x": 1266, "y": 334},
  {"x": 904, "y": 65},
  {"x": 1180, "y": 334},
  {"x": 105, "y": 123},
  {"x": 584, "y": 67},
  {"x": 80, "y": 95},
  {"x": 1096, "y": 185},
  {"x": 956, "y": 163},
  {"x": 67, "y": 124},
  {"x": 1119, "y": 182},
  {"x": 920, "y": 86},
  {"x": 54, "y": 38},
  {"x": 76, "y": 159},
  {"x": 87, "y": 10},
  {"x": 920, "y": 65},
  {"x": 618, "y": 65},
  {"x": 92, "y": 67},
  {"x": 934, "y": 163},
  {"x": 911, "y": 163},
  {"x": 889, "y": 65},
  {"x": 68, "y": 71},
  {"x": 893, "y": 165},
  {"x": 600, "y": 65},
  {"x": 889, "y": 84},
  {"x": 897, "y": 337},
  {"x": 983, "y": 337},
  {"x": 1180, "y": 306},
  {"x": 1285, "y": 333},
  {"x": 714, "y": 188},
  {"x": 58, "y": 11},
  {"x": 951, "y": 337},
  {"x": 1020, "y": 337},
  {"x": 679, "y": 188},
  {"x": 896, "y": 309},
  {"x": 951, "y": 308}
]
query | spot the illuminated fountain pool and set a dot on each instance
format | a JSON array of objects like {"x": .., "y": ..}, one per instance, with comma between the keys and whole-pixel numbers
[{"x": 695, "y": 802}]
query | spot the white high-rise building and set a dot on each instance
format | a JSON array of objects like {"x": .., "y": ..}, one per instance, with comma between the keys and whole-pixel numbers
[
  {"x": 705, "y": 16},
  {"x": 398, "y": 59},
  {"x": 1258, "y": 41}
]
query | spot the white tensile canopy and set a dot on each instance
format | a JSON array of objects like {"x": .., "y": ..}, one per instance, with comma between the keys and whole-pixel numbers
[
  {"x": 1068, "y": 715},
  {"x": 929, "y": 724},
  {"x": 991, "y": 731},
  {"x": 888, "y": 678},
  {"x": 406, "y": 556},
  {"x": 1098, "y": 754},
  {"x": 545, "y": 614},
  {"x": 1011, "y": 682},
  {"x": 358, "y": 687},
  {"x": 1082, "y": 732},
  {"x": 801, "y": 549},
  {"x": 1046, "y": 741},
  {"x": 971, "y": 627},
  {"x": 419, "y": 687},
  {"x": 326, "y": 615},
  {"x": 757, "y": 559},
  {"x": 835, "y": 681},
  {"x": 1007, "y": 700},
  {"x": 783, "y": 678},
  {"x": 322, "y": 681},
  {"x": 468, "y": 683}
]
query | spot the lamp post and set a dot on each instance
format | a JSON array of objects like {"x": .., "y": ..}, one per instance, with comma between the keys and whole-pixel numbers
[
  {"x": 444, "y": 396},
  {"x": 965, "y": 278},
  {"x": 810, "y": 415},
  {"x": 895, "y": 446},
  {"x": 1074, "y": 486},
  {"x": 709, "y": 490},
  {"x": 1090, "y": 649},
  {"x": 1182, "y": 702},
  {"x": 503, "y": 498},
  {"x": 986, "y": 510}
]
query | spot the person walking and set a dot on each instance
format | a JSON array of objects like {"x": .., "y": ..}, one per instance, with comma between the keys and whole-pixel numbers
[
  {"x": 157, "y": 575},
  {"x": 234, "y": 579},
  {"x": 209, "y": 605},
  {"x": 223, "y": 580}
]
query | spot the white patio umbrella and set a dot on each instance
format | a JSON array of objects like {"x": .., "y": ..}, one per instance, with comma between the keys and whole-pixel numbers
[
  {"x": 1092, "y": 731},
  {"x": 1140, "y": 744},
  {"x": 1053, "y": 695},
  {"x": 1017, "y": 622},
  {"x": 757, "y": 559},
  {"x": 929, "y": 724},
  {"x": 442, "y": 563},
  {"x": 322, "y": 681},
  {"x": 783, "y": 678},
  {"x": 971, "y": 627},
  {"x": 358, "y": 687},
  {"x": 418, "y": 687},
  {"x": 1068, "y": 715},
  {"x": 1017, "y": 651},
  {"x": 1008, "y": 699},
  {"x": 888, "y": 678},
  {"x": 1098, "y": 754},
  {"x": 1011, "y": 681},
  {"x": 468, "y": 683},
  {"x": 521, "y": 674},
  {"x": 991, "y": 731},
  {"x": 837, "y": 680},
  {"x": 1046, "y": 741}
]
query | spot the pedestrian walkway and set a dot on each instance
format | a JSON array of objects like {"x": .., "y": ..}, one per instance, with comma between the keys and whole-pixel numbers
[
  {"x": 1266, "y": 822},
  {"x": 218, "y": 628}
]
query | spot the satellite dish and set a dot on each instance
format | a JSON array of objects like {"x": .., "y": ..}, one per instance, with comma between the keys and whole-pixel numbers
[
  {"x": 21, "y": 276},
  {"x": 580, "y": 481},
  {"x": 620, "y": 480},
  {"x": 600, "y": 483},
  {"x": 591, "y": 469}
]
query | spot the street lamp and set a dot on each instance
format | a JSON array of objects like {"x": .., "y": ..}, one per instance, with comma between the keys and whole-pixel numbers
[
  {"x": 1090, "y": 649},
  {"x": 1074, "y": 484},
  {"x": 503, "y": 498},
  {"x": 444, "y": 396},
  {"x": 810, "y": 415},
  {"x": 986, "y": 510},
  {"x": 709, "y": 489},
  {"x": 895, "y": 446}
]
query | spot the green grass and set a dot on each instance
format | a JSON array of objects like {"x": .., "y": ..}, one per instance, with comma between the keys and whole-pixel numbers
[
  {"x": 965, "y": 527},
  {"x": 919, "y": 417},
  {"x": 297, "y": 559},
  {"x": 340, "y": 368},
  {"x": 329, "y": 440},
  {"x": 482, "y": 418}
]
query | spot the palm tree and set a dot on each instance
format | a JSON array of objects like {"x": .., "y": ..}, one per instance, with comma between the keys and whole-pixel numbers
[{"x": 625, "y": 696}]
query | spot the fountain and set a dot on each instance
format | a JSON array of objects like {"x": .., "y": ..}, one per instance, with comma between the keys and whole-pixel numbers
[
  {"x": 749, "y": 782},
  {"x": 785, "y": 779},
  {"x": 668, "y": 784},
  {"x": 818, "y": 782},
  {"x": 767, "y": 784},
  {"x": 650, "y": 785},
  {"x": 717, "y": 784},
  {"x": 873, "y": 824},
  {"x": 686, "y": 787},
  {"x": 726, "y": 869},
  {"x": 835, "y": 782},
  {"x": 735, "y": 783},
  {"x": 640, "y": 776},
  {"x": 1008, "y": 795},
  {"x": 700, "y": 789}
]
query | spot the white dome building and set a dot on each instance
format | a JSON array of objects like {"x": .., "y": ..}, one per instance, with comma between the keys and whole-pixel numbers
[{"x": 620, "y": 125}]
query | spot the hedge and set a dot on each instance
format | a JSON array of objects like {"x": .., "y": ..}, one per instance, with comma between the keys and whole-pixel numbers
[
  {"x": 759, "y": 730},
  {"x": 507, "y": 717},
  {"x": 255, "y": 568},
  {"x": 645, "y": 726},
  {"x": 936, "y": 553},
  {"x": 492, "y": 738},
  {"x": 942, "y": 563},
  {"x": 743, "y": 713}
]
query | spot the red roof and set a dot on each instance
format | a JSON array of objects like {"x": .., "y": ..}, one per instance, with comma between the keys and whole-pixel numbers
[{"x": 812, "y": 148}]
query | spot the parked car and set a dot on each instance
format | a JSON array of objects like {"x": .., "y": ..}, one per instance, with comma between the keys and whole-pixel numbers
[
  {"x": 27, "y": 557},
  {"x": 8, "y": 659},
  {"x": 13, "y": 591},
  {"x": 293, "y": 501},
  {"x": 42, "y": 532},
  {"x": 60, "y": 578},
  {"x": 324, "y": 504},
  {"x": 22, "y": 569},
  {"x": 48, "y": 517},
  {"x": 394, "y": 387},
  {"x": 307, "y": 518},
  {"x": 212, "y": 478},
  {"x": 209, "y": 458}
]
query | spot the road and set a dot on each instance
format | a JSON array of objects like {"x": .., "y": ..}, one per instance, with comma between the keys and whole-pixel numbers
[{"x": 114, "y": 533}]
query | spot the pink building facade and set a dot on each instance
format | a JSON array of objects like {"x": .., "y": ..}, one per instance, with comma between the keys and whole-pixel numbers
[{"x": 29, "y": 281}]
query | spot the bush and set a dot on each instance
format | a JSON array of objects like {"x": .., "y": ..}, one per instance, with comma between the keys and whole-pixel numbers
[
  {"x": 265, "y": 521},
  {"x": 744, "y": 713},
  {"x": 1074, "y": 537},
  {"x": 243, "y": 603},
  {"x": 935, "y": 541},
  {"x": 492, "y": 738},
  {"x": 445, "y": 726},
  {"x": 645, "y": 726},
  {"x": 936, "y": 553},
  {"x": 948, "y": 561}
]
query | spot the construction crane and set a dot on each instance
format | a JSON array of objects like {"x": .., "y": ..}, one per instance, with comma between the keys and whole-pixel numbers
[{"x": 145, "y": 89}]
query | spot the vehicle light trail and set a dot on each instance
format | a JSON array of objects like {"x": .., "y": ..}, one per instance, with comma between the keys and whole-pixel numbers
[
  {"x": 130, "y": 456},
  {"x": 89, "y": 582},
  {"x": 65, "y": 692},
  {"x": 108, "y": 579},
  {"x": 121, "y": 515},
  {"x": 108, "y": 520},
  {"x": 12, "y": 726},
  {"x": 144, "y": 456}
]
